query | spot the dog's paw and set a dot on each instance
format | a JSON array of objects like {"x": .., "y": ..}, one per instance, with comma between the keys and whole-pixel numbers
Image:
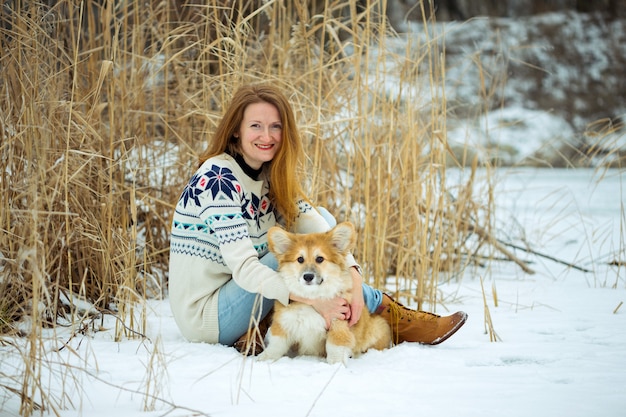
[
  {"x": 338, "y": 354},
  {"x": 270, "y": 355},
  {"x": 267, "y": 356}
]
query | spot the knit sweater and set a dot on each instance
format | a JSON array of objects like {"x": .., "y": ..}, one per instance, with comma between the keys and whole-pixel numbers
[{"x": 219, "y": 232}]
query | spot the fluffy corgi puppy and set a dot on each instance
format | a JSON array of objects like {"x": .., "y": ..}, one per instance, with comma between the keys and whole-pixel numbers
[{"x": 314, "y": 266}]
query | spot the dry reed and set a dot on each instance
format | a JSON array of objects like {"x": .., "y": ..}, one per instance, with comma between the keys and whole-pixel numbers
[{"x": 106, "y": 105}]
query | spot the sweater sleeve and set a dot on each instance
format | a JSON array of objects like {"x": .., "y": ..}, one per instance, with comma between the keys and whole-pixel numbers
[
  {"x": 310, "y": 220},
  {"x": 243, "y": 260}
]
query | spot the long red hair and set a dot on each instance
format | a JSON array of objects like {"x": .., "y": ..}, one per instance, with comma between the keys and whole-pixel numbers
[{"x": 284, "y": 168}]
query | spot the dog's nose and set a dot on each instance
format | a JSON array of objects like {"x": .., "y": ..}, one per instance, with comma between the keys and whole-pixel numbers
[{"x": 308, "y": 277}]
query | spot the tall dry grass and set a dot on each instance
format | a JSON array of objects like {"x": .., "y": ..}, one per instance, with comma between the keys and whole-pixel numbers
[{"x": 106, "y": 105}]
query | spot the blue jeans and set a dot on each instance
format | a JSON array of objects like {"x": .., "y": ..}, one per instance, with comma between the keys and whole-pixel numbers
[{"x": 235, "y": 306}]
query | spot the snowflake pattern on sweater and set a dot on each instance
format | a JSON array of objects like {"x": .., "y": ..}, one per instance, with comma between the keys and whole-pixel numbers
[
  {"x": 217, "y": 179},
  {"x": 215, "y": 210}
]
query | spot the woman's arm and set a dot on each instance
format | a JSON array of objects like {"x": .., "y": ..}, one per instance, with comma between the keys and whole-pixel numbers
[{"x": 358, "y": 303}]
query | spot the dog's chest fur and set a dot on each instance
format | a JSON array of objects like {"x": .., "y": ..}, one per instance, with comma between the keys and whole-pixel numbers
[{"x": 304, "y": 328}]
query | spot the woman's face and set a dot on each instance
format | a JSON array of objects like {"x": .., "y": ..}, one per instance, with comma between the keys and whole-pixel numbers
[{"x": 260, "y": 133}]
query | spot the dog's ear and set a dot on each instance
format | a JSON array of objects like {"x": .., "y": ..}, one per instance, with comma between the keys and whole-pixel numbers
[
  {"x": 343, "y": 236},
  {"x": 278, "y": 240}
]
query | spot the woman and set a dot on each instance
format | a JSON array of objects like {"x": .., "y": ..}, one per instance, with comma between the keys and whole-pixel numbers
[{"x": 221, "y": 273}]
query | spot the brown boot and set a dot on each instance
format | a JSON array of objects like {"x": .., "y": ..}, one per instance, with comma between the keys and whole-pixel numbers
[
  {"x": 418, "y": 326},
  {"x": 252, "y": 342}
]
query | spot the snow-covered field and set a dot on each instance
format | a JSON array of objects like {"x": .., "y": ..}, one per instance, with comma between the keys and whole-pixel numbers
[{"x": 561, "y": 348}]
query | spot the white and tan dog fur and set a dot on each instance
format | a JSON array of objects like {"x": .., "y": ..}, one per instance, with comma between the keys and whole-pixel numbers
[{"x": 314, "y": 267}]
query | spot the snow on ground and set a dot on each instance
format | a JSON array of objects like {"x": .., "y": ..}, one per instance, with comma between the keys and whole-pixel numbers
[{"x": 562, "y": 348}]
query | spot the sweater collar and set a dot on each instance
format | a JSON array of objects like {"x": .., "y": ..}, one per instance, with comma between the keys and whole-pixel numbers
[{"x": 247, "y": 169}]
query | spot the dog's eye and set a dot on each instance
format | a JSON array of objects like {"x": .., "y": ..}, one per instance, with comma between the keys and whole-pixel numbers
[
  {"x": 300, "y": 259},
  {"x": 319, "y": 259}
]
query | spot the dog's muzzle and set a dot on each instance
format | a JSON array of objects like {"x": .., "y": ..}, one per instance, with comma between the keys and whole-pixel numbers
[{"x": 311, "y": 278}]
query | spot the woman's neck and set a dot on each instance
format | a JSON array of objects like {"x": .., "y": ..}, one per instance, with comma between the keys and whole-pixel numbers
[{"x": 251, "y": 172}]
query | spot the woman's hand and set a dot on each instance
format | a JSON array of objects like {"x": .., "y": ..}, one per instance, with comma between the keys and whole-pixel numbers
[
  {"x": 358, "y": 303},
  {"x": 330, "y": 309},
  {"x": 333, "y": 309}
]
